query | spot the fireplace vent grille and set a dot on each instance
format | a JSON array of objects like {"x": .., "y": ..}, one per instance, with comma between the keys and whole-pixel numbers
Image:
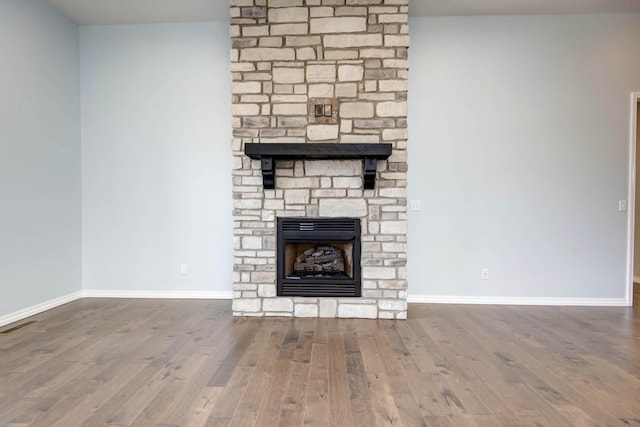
[{"x": 320, "y": 225}]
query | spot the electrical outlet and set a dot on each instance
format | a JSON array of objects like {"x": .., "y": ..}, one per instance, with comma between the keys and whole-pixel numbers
[
  {"x": 622, "y": 205},
  {"x": 416, "y": 205},
  {"x": 485, "y": 274},
  {"x": 183, "y": 268}
]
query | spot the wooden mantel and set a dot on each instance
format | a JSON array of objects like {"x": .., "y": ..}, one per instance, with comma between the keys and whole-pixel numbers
[{"x": 269, "y": 153}]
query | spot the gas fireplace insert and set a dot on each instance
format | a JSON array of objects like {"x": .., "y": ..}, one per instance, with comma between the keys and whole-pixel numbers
[{"x": 318, "y": 257}]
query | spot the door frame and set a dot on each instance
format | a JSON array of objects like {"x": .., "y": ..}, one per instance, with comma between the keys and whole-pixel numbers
[{"x": 631, "y": 217}]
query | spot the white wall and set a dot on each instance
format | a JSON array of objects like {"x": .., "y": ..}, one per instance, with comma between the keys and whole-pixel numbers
[
  {"x": 156, "y": 157},
  {"x": 519, "y": 152},
  {"x": 39, "y": 155}
]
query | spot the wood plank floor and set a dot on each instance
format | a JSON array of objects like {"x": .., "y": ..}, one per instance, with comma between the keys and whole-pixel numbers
[{"x": 98, "y": 362}]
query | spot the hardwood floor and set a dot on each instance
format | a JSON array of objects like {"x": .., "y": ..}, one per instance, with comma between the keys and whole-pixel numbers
[{"x": 97, "y": 362}]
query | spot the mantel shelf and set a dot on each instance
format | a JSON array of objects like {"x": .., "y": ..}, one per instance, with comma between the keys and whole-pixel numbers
[{"x": 268, "y": 153}]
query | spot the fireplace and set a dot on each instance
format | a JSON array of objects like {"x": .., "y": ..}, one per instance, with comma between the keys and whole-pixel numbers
[
  {"x": 318, "y": 257},
  {"x": 319, "y": 104}
]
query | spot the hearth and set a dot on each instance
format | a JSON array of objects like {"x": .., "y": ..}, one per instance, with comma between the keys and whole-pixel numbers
[{"x": 318, "y": 257}]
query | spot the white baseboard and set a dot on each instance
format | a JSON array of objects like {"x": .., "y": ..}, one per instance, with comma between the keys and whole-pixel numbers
[
  {"x": 157, "y": 294},
  {"x": 423, "y": 299},
  {"x": 38, "y": 308},
  {"x": 48, "y": 305},
  {"x": 451, "y": 299}
]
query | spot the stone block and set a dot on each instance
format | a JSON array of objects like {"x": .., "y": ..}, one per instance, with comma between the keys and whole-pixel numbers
[
  {"x": 244, "y": 286},
  {"x": 302, "y": 41},
  {"x": 285, "y": 3},
  {"x": 289, "y": 29},
  {"x": 246, "y": 305},
  {"x": 255, "y": 30},
  {"x": 267, "y": 54},
  {"x": 266, "y": 291},
  {"x": 393, "y": 227},
  {"x": 372, "y": 293},
  {"x": 306, "y": 54},
  {"x": 371, "y": 247},
  {"x": 392, "y": 109},
  {"x": 393, "y": 192},
  {"x": 247, "y": 203},
  {"x": 347, "y": 182},
  {"x": 256, "y": 122},
  {"x": 392, "y": 305},
  {"x": 292, "y": 122},
  {"x": 270, "y": 41},
  {"x": 394, "y": 247},
  {"x": 379, "y": 273},
  {"x": 328, "y": 308},
  {"x": 396, "y": 18},
  {"x": 288, "y": 98},
  {"x": 352, "y": 40},
  {"x": 333, "y": 167},
  {"x": 321, "y": 73},
  {"x": 394, "y": 134},
  {"x": 251, "y": 242},
  {"x": 350, "y": 73},
  {"x": 342, "y": 54},
  {"x": 298, "y": 182},
  {"x": 288, "y": 75},
  {"x": 356, "y": 110},
  {"x": 359, "y": 311},
  {"x": 322, "y": 132},
  {"x": 293, "y": 197},
  {"x": 374, "y": 123},
  {"x": 346, "y": 90},
  {"x": 246, "y": 87},
  {"x": 274, "y": 204},
  {"x": 399, "y": 284},
  {"x": 263, "y": 277},
  {"x": 288, "y": 14},
  {"x": 377, "y": 53},
  {"x": 306, "y": 310},
  {"x": 393, "y": 85},
  {"x": 322, "y": 90},
  {"x": 278, "y": 304},
  {"x": 343, "y": 24},
  {"x": 396, "y": 63},
  {"x": 351, "y": 11},
  {"x": 245, "y": 109},
  {"x": 298, "y": 109},
  {"x": 361, "y": 139},
  {"x": 346, "y": 126},
  {"x": 356, "y": 208},
  {"x": 328, "y": 192}
]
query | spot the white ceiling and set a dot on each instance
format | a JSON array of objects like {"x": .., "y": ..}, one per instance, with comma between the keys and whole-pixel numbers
[
  {"x": 103, "y": 12},
  {"x": 519, "y": 7}
]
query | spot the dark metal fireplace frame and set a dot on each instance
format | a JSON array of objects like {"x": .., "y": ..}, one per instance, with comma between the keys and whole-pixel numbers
[{"x": 301, "y": 230}]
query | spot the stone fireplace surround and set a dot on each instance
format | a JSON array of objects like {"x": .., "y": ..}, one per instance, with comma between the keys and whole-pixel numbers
[{"x": 287, "y": 57}]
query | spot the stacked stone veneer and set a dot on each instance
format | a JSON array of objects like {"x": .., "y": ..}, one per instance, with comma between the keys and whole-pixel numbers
[{"x": 285, "y": 54}]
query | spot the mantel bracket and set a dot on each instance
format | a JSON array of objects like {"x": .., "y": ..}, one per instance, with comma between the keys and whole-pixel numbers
[
  {"x": 269, "y": 153},
  {"x": 268, "y": 166}
]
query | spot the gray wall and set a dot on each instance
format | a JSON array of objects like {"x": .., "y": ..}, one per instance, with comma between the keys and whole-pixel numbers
[
  {"x": 519, "y": 152},
  {"x": 156, "y": 157},
  {"x": 39, "y": 155}
]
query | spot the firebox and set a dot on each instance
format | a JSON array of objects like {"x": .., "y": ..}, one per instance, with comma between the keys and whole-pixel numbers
[{"x": 319, "y": 257}]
